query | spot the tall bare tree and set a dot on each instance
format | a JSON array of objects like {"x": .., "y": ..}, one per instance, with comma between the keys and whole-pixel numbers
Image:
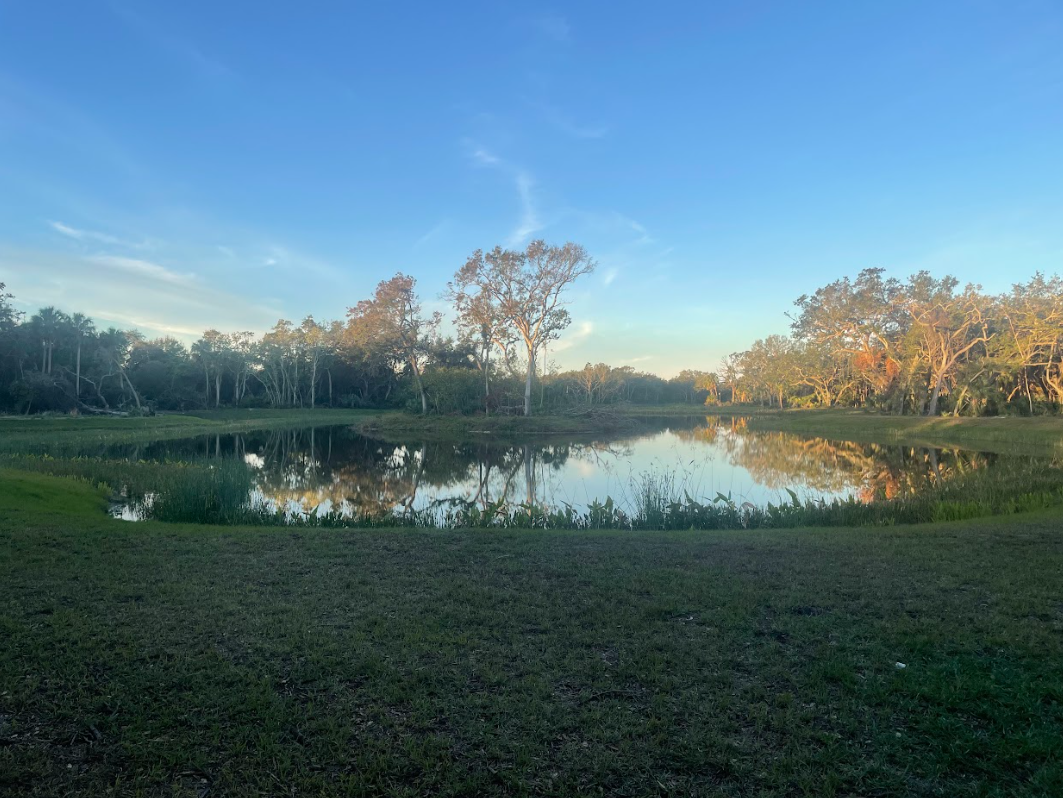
[{"x": 525, "y": 291}]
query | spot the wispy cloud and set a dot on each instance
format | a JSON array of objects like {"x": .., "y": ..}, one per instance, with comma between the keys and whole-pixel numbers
[
  {"x": 529, "y": 219},
  {"x": 287, "y": 259},
  {"x": 574, "y": 338},
  {"x": 609, "y": 276},
  {"x": 125, "y": 291},
  {"x": 141, "y": 268},
  {"x": 485, "y": 158},
  {"x": 99, "y": 238},
  {"x": 144, "y": 322},
  {"x": 435, "y": 231},
  {"x": 644, "y": 236},
  {"x": 631, "y": 361}
]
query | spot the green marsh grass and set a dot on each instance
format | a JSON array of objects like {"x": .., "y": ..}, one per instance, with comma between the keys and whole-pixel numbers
[{"x": 221, "y": 491}]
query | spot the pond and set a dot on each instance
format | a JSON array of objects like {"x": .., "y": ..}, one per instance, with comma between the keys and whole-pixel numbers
[{"x": 335, "y": 470}]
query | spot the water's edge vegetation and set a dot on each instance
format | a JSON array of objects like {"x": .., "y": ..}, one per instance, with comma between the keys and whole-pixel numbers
[{"x": 220, "y": 491}]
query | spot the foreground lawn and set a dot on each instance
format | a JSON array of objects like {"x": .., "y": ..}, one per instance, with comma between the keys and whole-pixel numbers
[{"x": 179, "y": 660}]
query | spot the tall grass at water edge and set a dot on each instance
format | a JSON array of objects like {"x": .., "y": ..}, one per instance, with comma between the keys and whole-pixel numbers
[{"x": 222, "y": 492}]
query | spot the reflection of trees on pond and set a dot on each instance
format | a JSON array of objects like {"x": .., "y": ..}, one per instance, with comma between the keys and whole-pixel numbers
[
  {"x": 870, "y": 471},
  {"x": 335, "y": 468},
  {"x": 339, "y": 469}
]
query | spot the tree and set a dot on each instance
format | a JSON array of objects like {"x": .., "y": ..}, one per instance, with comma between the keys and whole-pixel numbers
[
  {"x": 767, "y": 365},
  {"x": 525, "y": 291},
  {"x": 480, "y": 324},
  {"x": 393, "y": 321},
  {"x": 731, "y": 374},
  {"x": 211, "y": 351},
  {"x": 9, "y": 317},
  {"x": 709, "y": 382},
  {"x": 862, "y": 318},
  {"x": 948, "y": 326},
  {"x": 241, "y": 349},
  {"x": 113, "y": 354},
  {"x": 316, "y": 342},
  {"x": 49, "y": 323},
  {"x": 825, "y": 372},
  {"x": 277, "y": 368},
  {"x": 82, "y": 327},
  {"x": 592, "y": 380},
  {"x": 1029, "y": 345}
]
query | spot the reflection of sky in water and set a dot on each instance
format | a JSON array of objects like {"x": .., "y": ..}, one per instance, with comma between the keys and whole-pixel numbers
[
  {"x": 697, "y": 467},
  {"x": 330, "y": 468}
]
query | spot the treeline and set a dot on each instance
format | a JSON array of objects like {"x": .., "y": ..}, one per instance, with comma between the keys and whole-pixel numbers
[
  {"x": 386, "y": 353},
  {"x": 923, "y": 346}
]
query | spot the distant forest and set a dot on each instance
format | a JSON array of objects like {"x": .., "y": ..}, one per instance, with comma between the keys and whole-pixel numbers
[{"x": 924, "y": 346}]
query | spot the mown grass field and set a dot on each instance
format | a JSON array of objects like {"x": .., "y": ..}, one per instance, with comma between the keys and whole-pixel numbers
[{"x": 156, "y": 659}]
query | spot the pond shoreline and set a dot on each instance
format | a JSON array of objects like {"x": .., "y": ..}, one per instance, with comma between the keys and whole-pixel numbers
[{"x": 1039, "y": 435}]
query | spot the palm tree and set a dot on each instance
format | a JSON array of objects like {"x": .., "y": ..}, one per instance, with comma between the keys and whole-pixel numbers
[
  {"x": 82, "y": 327},
  {"x": 49, "y": 322}
]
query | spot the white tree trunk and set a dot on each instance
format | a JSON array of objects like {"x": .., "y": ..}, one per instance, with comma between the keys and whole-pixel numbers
[{"x": 528, "y": 381}]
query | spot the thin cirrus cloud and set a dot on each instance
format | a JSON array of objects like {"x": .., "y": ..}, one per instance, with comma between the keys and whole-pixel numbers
[
  {"x": 436, "y": 230},
  {"x": 96, "y": 237},
  {"x": 530, "y": 221},
  {"x": 129, "y": 291},
  {"x": 573, "y": 339},
  {"x": 142, "y": 268}
]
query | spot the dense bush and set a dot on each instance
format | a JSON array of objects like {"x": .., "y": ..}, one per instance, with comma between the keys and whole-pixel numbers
[{"x": 39, "y": 393}]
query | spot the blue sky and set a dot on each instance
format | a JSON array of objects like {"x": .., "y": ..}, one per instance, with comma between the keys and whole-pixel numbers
[{"x": 174, "y": 166}]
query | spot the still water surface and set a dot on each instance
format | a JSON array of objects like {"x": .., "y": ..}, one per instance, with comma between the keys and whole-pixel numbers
[{"x": 335, "y": 468}]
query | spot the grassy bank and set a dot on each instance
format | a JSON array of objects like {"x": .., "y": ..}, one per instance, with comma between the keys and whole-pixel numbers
[
  {"x": 1007, "y": 435},
  {"x": 498, "y": 427},
  {"x": 26, "y": 433},
  {"x": 159, "y": 659},
  {"x": 1039, "y": 435}
]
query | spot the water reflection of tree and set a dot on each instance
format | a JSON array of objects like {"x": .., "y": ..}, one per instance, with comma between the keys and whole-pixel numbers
[
  {"x": 336, "y": 468},
  {"x": 869, "y": 471}
]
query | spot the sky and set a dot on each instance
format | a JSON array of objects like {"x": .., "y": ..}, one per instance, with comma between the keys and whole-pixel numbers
[{"x": 174, "y": 166}]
